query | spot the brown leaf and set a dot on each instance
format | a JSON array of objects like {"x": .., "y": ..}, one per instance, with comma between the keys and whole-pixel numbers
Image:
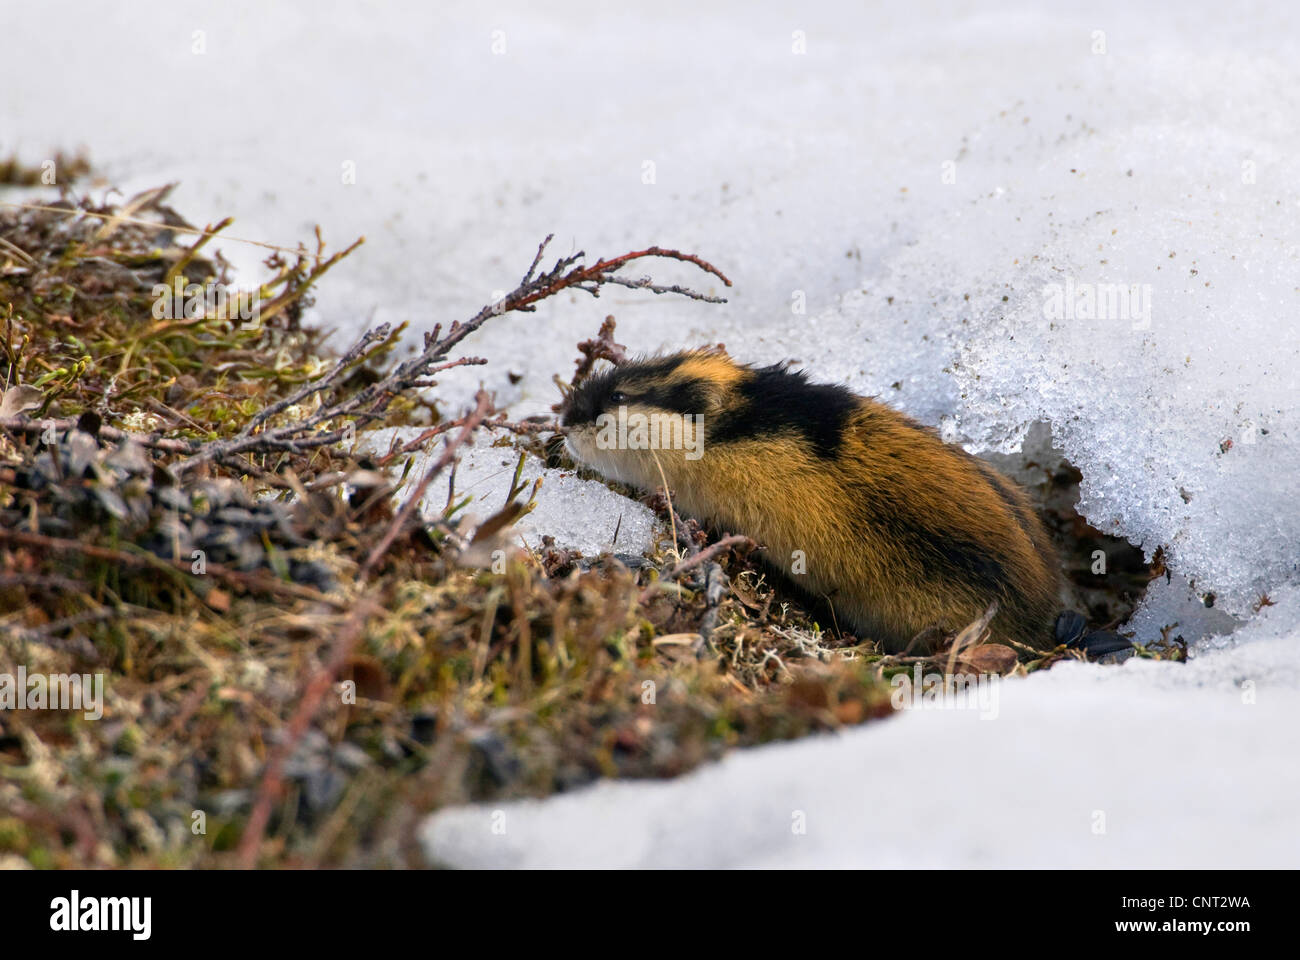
[
  {"x": 988, "y": 658},
  {"x": 20, "y": 398}
]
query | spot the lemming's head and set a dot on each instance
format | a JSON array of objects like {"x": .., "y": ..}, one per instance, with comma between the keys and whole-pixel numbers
[
  {"x": 648, "y": 414},
  {"x": 643, "y": 420}
]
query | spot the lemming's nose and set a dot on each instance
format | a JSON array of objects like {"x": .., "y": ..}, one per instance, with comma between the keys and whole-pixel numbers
[{"x": 575, "y": 410}]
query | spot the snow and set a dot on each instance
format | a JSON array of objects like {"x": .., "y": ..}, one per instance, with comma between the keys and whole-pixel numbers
[
  {"x": 1081, "y": 767},
  {"x": 979, "y": 798},
  {"x": 580, "y": 514},
  {"x": 895, "y": 206}
]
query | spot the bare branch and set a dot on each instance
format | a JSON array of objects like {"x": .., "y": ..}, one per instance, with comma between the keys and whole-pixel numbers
[
  {"x": 371, "y": 402},
  {"x": 601, "y": 347},
  {"x": 269, "y": 788},
  {"x": 645, "y": 283},
  {"x": 541, "y": 249},
  {"x": 708, "y": 553},
  {"x": 448, "y": 454},
  {"x": 22, "y": 424},
  {"x": 238, "y": 578},
  {"x": 526, "y": 428},
  {"x": 353, "y": 354}
]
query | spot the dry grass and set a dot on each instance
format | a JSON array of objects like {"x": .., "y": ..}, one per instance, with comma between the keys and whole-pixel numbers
[{"x": 461, "y": 684}]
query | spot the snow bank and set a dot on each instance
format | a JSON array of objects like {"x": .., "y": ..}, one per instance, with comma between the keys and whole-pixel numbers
[
  {"x": 1081, "y": 767},
  {"x": 580, "y": 514}
]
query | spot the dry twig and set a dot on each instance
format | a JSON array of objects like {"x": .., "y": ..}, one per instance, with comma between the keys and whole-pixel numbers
[{"x": 369, "y": 403}]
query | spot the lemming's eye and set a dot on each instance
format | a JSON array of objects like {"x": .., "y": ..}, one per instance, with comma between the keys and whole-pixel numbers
[{"x": 618, "y": 396}]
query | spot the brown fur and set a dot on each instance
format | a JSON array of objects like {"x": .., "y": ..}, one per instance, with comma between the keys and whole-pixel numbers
[{"x": 900, "y": 531}]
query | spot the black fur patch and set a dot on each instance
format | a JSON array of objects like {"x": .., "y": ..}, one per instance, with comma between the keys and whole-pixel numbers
[
  {"x": 941, "y": 555},
  {"x": 777, "y": 400},
  {"x": 972, "y": 562},
  {"x": 945, "y": 557},
  {"x": 595, "y": 395},
  {"x": 689, "y": 397}
]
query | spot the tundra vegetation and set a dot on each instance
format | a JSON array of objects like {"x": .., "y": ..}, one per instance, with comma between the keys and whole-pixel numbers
[{"x": 297, "y": 662}]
